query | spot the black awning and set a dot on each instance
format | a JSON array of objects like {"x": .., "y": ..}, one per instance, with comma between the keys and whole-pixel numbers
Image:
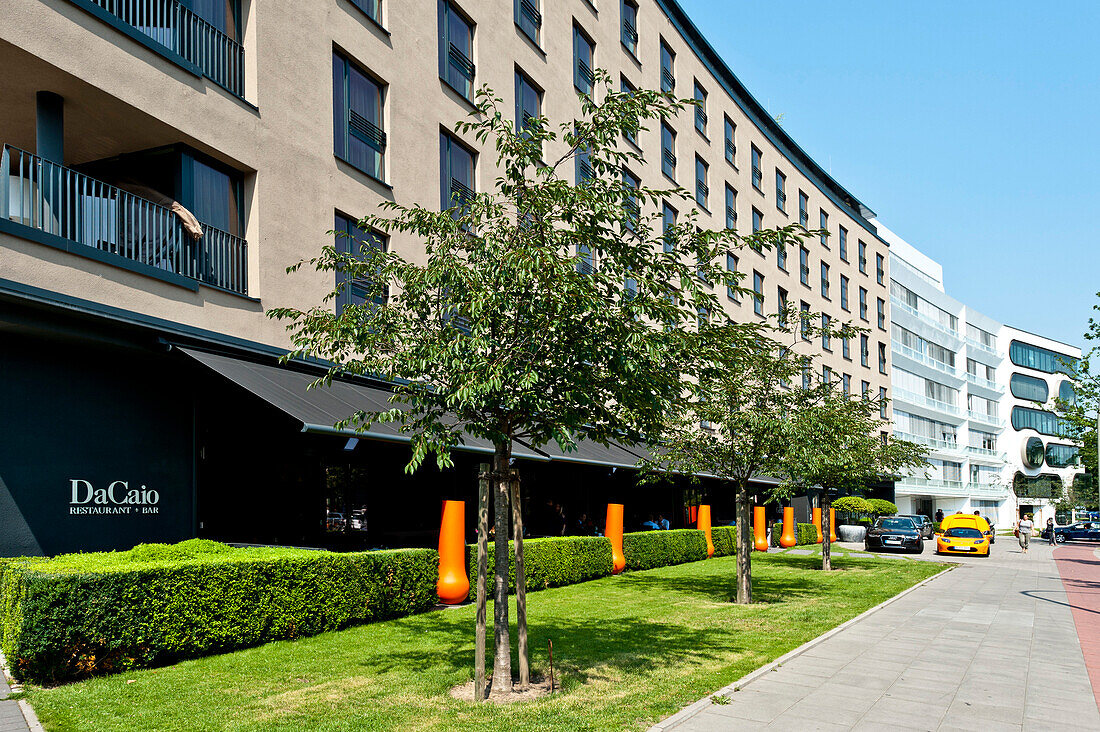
[{"x": 587, "y": 452}]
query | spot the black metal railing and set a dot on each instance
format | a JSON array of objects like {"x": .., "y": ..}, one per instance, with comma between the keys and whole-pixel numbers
[
  {"x": 60, "y": 201},
  {"x": 169, "y": 23}
]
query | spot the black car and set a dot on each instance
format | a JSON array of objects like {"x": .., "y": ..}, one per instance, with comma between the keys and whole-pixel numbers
[
  {"x": 894, "y": 532},
  {"x": 1080, "y": 531},
  {"x": 923, "y": 523}
]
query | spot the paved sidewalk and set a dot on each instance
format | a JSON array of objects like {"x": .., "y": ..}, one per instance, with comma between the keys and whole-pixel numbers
[
  {"x": 991, "y": 645},
  {"x": 11, "y": 716}
]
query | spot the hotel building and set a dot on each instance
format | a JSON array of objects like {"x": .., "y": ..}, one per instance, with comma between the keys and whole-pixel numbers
[{"x": 164, "y": 161}]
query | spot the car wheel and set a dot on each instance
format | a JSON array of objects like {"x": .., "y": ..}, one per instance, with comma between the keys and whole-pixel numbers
[
  {"x": 1060, "y": 538},
  {"x": 920, "y": 548}
]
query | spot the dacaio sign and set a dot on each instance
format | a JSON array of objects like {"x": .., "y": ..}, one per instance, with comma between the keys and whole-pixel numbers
[{"x": 118, "y": 498}]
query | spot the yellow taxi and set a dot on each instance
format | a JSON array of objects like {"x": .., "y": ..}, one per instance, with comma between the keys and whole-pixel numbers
[{"x": 962, "y": 539}]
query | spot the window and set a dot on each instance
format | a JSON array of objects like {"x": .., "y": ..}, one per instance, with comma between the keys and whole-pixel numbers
[
  {"x": 731, "y": 207},
  {"x": 844, "y": 292},
  {"x": 357, "y": 133},
  {"x": 373, "y": 9},
  {"x": 584, "y": 52},
  {"x": 731, "y": 266},
  {"x": 846, "y": 348},
  {"x": 456, "y": 50},
  {"x": 882, "y": 358},
  {"x": 826, "y": 339},
  {"x": 528, "y": 101},
  {"x": 864, "y": 351},
  {"x": 984, "y": 338},
  {"x": 630, "y": 26},
  {"x": 1040, "y": 359},
  {"x": 1029, "y": 388},
  {"x": 1062, "y": 456},
  {"x": 781, "y": 299},
  {"x": 825, "y": 281},
  {"x": 880, "y": 268},
  {"x": 805, "y": 373},
  {"x": 668, "y": 151},
  {"x": 583, "y": 164},
  {"x": 758, "y": 290},
  {"x": 456, "y": 173},
  {"x": 627, "y": 88},
  {"x": 846, "y": 384},
  {"x": 863, "y": 303},
  {"x": 668, "y": 70},
  {"x": 586, "y": 264},
  {"x": 780, "y": 191},
  {"x": 804, "y": 314},
  {"x": 882, "y": 403},
  {"x": 1043, "y": 422},
  {"x": 350, "y": 239},
  {"x": 803, "y": 209},
  {"x": 863, "y": 257},
  {"x": 528, "y": 18},
  {"x": 702, "y": 190},
  {"x": 757, "y": 173},
  {"x": 757, "y": 224},
  {"x": 633, "y": 208},
  {"x": 1066, "y": 392},
  {"x": 864, "y": 388},
  {"x": 826, "y": 375},
  {"x": 824, "y": 226},
  {"x": 731, "y": 143},
  {"x": 701, "y": 109},
  {"x": 668, "y": 221},
  {"x": 781, "y": 255},
  {"x": 881, "y": 314},
  {"x": 804, "y": 265},
  {"x": 843, "y": 236}
]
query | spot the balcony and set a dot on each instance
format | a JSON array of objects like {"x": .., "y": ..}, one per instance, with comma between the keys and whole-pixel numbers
[
  {"x": 56, "y": 204},
  {"x": 923, "y": 358},
  {"x": 973, "y": 343},
  {"x": 936, "y": 445},
  {"x": 903, "y": 395},
  {"x": 931, "y": 486},
  {"x": 984, "y": 383},
  {"x": 169, "y": 26},
  {"x": 905, "y": 307},
  {"x": 986, "y": 489},
  {"x": 989, "y": 419}
]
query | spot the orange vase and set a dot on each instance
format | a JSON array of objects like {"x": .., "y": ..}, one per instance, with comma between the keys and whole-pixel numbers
[
  {"x": 704, "y": 526},
  {"x": 817, "y": 525},
  {"x": 614, "y": 531},
  {"x": 693, "y": 515},
  {"x": 760, "y": 528},
  {"x": 788, "y": 538},
  {"x": 453, "y": 586},
  {"x": 832, "y": 525}
]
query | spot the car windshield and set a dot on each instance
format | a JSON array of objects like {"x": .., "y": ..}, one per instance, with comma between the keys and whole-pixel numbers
[
  {"x": 897, "y": 523},
  {"x": 961, "y": 532}
]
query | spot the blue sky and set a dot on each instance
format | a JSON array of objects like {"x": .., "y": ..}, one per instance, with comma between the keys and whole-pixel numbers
[{"x": 970, "y": 127}]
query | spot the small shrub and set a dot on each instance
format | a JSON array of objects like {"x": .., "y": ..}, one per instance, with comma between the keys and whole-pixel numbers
[
  {"x": 725, "y": 540},
  {"x": 807, "y": 534},
  {"x": 852, "y": 504},
  {"x": 649, "y": 549},
  {"x": 551, "y": 562},
  {"x": 882, "y": 507}
]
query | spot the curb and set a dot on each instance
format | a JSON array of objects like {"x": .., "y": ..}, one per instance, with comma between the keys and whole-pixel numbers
[{"x": 727, "y": 691}]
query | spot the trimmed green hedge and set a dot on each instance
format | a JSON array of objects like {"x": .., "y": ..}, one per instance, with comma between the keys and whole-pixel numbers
[
  {"x": 649, "y": 549},
  {"x": 550, "y": 562},
  {"x": 804, "y": 534},
  {"x": 84, "y": 614},
  {"x": 725, "y": 540}
]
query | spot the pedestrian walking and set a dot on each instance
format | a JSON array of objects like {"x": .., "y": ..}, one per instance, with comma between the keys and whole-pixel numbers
[
  {"x": 1050, "y": 531},
  {"x": 1023, "y": 531}
]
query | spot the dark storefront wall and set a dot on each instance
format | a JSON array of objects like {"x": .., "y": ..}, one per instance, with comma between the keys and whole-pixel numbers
[{"x": 73, "y": 413}]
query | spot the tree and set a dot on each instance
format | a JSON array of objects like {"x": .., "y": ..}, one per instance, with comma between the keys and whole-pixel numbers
[
  {"x": 1079, "y": 419},
  {"x": 543, "y": 311},
  {"x": 734, "y": 423},
  {"x": 882, "y": 507},
  {"x": 839, "y": 444}
]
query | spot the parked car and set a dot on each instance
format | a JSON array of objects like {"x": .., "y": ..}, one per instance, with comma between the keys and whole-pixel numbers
[
  {"x": 962, "y": 540},
  {"x": 894, "y": 532},
  {"x": 1080, "y": 531},
  {"x": 924, "y": 524}
]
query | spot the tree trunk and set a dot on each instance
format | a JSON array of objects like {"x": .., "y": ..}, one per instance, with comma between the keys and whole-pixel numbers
[
  {"x": 502, "y": 645},
  {"x": 482, "y": 579},
  {"x": 744, "y": 544},
  {"x": 826, "y": 530},
  {"x": 521, "y": 587}
]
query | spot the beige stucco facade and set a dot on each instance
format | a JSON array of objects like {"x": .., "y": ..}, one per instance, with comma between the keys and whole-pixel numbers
[{"x": 121, "y": 96}]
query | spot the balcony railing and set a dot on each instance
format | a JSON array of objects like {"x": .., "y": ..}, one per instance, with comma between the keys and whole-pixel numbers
[
  {"x": 987, "y": 489},
  {"x": 941, "y": 445},
  {"x": 903, "y": 395},
  {"x": 924, "y": 358},
  {"x": 60, "y": 201},
  {"x": 984, "y": 383},
  {"x": 932, "y": 485},
  {"x": 974, "y": 343},
  {"x": 984, "y": 453},
  {"x": 984, "y": 418},
  {"x": 906, "y": 307},
  {"x": 180, "y": 30}
]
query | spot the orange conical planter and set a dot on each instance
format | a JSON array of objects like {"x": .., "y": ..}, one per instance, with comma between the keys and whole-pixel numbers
[
  {"x": 453, "y": 586},
  {"x": 832, "y": 525},
  {"x": 704, "y": 526},
  {"x": 760, "y": 529},
  {"x": 817, "y": 525},
  {"x": 693, "y": 515},
  {"x": 788, "y": 538},
  {"x": 614, "y": 532}
]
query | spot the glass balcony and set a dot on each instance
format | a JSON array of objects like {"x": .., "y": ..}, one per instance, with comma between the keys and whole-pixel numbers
[
  {"x": 905, "y": 307},
  {"x": 985, "y": 489},
  {"x": 62, "y": 202},
  {"x": 934, "y": 486},
  {"x": 990, "y": 419},
  {"x": 184, "y": 32},
  {"x": 924, "y": 358},
  {"x": 985, "y": 452},
  {"x": 903, "y": 395},
  {"x": 940, "y": 445},
  {"x": 984, "y": 383},
  {"x": 973, "y": 343}
]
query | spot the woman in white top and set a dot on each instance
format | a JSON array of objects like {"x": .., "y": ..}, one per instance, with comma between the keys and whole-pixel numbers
[{"x": 1023, "y": 531}]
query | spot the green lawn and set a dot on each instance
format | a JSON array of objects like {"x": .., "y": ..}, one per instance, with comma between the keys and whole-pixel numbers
[{"x": 631, "y": 650}]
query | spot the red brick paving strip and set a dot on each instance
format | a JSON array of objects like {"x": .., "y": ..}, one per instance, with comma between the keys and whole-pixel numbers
[{"x": 1080, "y": 570}]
